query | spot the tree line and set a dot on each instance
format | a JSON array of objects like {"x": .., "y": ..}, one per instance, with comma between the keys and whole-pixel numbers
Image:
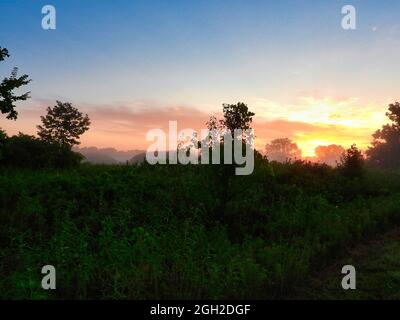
[
  {"x": 63, "y": 125},
  {"x": 384, "y": 151}
]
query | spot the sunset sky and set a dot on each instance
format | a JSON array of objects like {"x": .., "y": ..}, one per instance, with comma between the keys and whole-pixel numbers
[{"x": 134, "y": 65}]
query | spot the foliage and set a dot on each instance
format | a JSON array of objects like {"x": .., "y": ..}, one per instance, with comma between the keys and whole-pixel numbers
[
  {"x": 352, "y": 163},
  {"x": 330, "y": 155},
  {"x": 236, "y": 116},
  {"x": 282, "y": 150},
  {"x": 25, "y": 151},
  {"x": 7, "y": 86},
  {"x": 385, "y": 150},
  {"x": 154, "y": 232},
  {"x": 63, "y": 124},
  {"x": 177, "y": 232}
]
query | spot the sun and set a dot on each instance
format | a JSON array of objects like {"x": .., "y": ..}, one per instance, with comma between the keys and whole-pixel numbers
[{"x": 308, "y": 146}]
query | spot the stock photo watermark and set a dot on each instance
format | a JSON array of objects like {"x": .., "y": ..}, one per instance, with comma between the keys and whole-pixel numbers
[
  {"x": 49, "y": 20},
  {"x": 349, "y": 19},
  {"x": 49, "y": 280},
  {"x": 349, "y": 280},
  {"x": 237, "y": 147}
]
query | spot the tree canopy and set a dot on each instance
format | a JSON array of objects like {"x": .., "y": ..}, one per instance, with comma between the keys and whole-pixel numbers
[
  {"x": 63, "y": 124},
  {"x": 352, "y": 162},
  {"x": 282, "y": 150},
  {"x": 7, "y": 87},
  {"x": 237, "y": 116},
  {"x": 330, "y": 155},
  {"x": 385, "y": 150}
]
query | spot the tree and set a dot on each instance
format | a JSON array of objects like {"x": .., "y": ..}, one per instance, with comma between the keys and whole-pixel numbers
[
  {"x": 236, "y": 116},
  {"x": 7, "y": 86},
  {"x": 385, "y": 150},
  {"x": 330, "y": 155},
  {"x": 282, "y": 150},
  {"x": 352, "y": 163},
  {"x": 63, "y": 125}
]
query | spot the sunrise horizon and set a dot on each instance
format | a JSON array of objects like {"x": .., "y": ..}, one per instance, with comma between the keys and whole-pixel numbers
[
  {"x": 199, "y": 157},
  {"x": 305, "y": 78},
  {"x": 323, "y": 130}
]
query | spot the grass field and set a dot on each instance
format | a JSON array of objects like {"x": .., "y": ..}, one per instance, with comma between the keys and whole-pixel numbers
[
  {"x": 127, "y": 232},
  {"x": 378, "y": 272}
]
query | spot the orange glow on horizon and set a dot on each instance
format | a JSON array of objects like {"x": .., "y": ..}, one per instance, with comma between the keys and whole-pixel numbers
[{"x": 308, "y": 121}]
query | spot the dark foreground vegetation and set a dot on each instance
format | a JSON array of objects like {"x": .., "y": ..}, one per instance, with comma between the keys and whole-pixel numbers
[
  {"x": 378, "y": 262},
  {"x": 164, "y": 231},
  {"x": 175, "y": 231}
]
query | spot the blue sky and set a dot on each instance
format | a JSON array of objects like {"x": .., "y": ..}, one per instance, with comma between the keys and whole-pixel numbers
[{"x": 203, "y": 53}]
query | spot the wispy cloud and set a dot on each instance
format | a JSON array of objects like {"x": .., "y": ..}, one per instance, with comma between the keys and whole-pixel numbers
[{"x": 308, "y": 120}]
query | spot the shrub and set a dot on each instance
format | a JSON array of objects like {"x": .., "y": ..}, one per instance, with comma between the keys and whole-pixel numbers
[
  {"x": 25, "y": 151},
  {"x": 352, "y": 163}
]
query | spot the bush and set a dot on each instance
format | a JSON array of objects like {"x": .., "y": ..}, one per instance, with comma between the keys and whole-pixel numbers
[
  {"x": 25, "y": 151},
  {"x": 352, "y": 163}
]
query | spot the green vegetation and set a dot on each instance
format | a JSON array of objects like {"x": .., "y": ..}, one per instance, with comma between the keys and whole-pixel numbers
[
  {"x": 7, "y": 87},
  {"x": 158, "y": 231},
  {"x": 385, "y": 150},
  {"x": 191, "y": 232},
  {"x": 378, "y": 276}
]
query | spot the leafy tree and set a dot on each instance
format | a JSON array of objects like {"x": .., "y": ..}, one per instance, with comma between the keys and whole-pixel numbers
[
  {"x": 7, "y": 86},
  {"x": 385, "y": 150},
  {"x": 236, "y": 116},
  {"x": 63, "y": 125},
  {"x": 352, "y": 163},
  {"x": 282, "y": 150},
  {"x": 330, "y": 155}
]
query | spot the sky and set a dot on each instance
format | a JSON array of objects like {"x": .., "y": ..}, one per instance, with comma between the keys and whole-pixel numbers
[{"x": 134, "y": 65}]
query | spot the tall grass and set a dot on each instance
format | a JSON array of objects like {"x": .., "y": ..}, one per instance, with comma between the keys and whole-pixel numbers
[{"x": 127, "y": 232}]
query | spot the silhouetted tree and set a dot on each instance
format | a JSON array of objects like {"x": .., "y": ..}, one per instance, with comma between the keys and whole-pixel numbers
[
  {"x": 7, "y": 86},
  {"x": 63, "y": 125},
  {"x": 213, "y": 123},
  {"x": 282, "y": 150},
  {"x": 330, "y": 155},
  {"x": 385, "y": 150},
  {"x": 236, "y": 116},
  {"x": 352, "y": 163}
]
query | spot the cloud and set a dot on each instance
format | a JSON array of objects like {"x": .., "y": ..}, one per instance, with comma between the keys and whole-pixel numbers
[
  {"x": 309, "y": 120},
  {"x": 125, "y": 126}
]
